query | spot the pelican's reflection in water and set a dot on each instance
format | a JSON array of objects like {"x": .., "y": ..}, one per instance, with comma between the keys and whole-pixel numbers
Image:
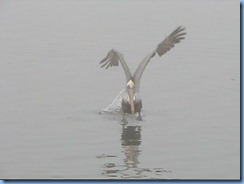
[{"x": 131, "y": 139}]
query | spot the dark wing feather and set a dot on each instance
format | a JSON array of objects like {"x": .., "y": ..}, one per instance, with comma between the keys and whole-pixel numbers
[
  {"x": 175, "y": 37},
  {"x": 169, "y": 42},
  {"x": 112, "y": 59}
]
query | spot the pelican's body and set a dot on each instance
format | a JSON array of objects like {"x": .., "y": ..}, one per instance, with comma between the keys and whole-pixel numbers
[
  {"x": 127, "y": 105},
  {"x": 131, "y": 102}
]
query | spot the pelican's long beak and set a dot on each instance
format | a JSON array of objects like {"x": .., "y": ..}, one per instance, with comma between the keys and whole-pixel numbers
[
  {"x": 131, "y": 96},
  {"x": 131, "y": 88}
]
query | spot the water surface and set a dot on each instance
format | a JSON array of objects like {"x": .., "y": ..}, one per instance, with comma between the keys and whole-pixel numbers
[{"x": 52, "y": 89}]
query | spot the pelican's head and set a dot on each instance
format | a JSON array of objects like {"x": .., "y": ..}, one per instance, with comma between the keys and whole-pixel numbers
[{"x": 131, "y": 92}]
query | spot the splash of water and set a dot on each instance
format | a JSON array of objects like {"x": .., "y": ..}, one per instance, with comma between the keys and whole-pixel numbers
[
  {"x": 115, "y": 108},
  {"x": 115, "y": 105}
]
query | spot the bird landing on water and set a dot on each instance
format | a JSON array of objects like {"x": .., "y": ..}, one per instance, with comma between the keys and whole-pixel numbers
[{"x": 131, "y": 102}]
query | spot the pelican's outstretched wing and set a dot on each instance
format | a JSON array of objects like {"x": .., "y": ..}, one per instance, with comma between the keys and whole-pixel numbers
[
  {"x": 175, "y": 37},
  {"x": 112, "y": 59}
]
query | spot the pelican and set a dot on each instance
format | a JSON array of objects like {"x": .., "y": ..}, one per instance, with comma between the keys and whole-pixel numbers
[{"x": 131, "y": 102}]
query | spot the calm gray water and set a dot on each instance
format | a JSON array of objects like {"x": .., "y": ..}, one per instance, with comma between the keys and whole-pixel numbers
[{"x": 52, "y": 89}]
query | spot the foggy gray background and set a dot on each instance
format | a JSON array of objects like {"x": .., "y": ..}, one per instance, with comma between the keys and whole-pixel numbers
[{"x": 52, "y": 88}]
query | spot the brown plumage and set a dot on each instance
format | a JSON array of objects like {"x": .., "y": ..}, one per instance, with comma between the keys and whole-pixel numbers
[{"x": 114, "y": 57}]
